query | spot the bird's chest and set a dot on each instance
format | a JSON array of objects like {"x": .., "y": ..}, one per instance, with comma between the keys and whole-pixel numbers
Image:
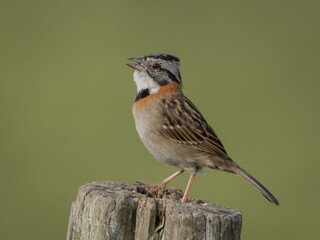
[{"x": 147, "y": 120}]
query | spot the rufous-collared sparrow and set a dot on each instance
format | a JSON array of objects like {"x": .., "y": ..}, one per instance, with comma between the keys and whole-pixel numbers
[{"x": 172, "y": 128}]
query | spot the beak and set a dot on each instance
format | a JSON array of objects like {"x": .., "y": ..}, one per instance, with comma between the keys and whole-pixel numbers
[{"x": 139, "y": 66}]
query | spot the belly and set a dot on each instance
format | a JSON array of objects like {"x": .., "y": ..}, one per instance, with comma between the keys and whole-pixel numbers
[
  {"x": 151, "y": 138},
  {"x": 162, "y": 148}
]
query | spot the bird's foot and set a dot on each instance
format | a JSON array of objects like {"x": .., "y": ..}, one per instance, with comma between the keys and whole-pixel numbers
[
  {"x": 159, "y": 191},
  {"x": 193, "y": 200},
  {"x": 184, "y": 200},
  {"x": 153, "y": 186}
]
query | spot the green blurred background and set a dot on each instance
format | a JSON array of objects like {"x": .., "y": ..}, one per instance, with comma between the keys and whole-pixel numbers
[{"x": 251, "y": 67}]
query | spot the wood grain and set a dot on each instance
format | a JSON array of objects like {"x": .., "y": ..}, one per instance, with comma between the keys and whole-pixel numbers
[{"x": 111, "y": 210}]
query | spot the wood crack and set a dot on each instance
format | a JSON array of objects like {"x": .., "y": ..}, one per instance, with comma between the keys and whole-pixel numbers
[{"x": 111, "y": 210}]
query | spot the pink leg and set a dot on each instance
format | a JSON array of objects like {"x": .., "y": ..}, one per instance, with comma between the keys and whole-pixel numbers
[
  {"x": 164, "y": 182},
  {"x": 173, "y": 176},
  {"x": 186, "y": 193}
]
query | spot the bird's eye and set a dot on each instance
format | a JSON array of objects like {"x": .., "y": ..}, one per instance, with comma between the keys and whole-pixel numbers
[{"x": 156, "y": 66}]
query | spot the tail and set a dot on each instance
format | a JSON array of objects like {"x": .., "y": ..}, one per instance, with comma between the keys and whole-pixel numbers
[{"x": 254, "y": 182}]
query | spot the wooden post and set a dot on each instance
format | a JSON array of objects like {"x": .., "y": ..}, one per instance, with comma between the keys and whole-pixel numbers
[{"x": 111, "y": 210}]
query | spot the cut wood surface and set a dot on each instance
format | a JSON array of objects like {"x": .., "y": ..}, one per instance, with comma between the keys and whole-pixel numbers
[{"x": 111, "y": 210}]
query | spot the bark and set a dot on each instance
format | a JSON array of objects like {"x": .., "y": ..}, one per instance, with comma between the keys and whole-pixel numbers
[{"x": 111, "y": 210}]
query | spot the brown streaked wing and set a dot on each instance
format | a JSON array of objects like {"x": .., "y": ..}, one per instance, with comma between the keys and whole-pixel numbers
[{"x": 184, "y": 124}]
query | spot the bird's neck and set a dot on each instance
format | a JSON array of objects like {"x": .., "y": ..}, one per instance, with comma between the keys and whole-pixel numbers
[{"x": 163, "y": 90}]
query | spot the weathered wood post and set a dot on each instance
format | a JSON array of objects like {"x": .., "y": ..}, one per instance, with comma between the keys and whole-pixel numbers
[{"x": 111, "y": 210}]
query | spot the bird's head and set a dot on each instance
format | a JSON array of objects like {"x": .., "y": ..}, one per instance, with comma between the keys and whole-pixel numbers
[{"x": 155, "y": 70}]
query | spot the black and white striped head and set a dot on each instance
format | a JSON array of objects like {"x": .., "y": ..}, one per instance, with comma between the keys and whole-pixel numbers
[{"x": 155, "y": 70}]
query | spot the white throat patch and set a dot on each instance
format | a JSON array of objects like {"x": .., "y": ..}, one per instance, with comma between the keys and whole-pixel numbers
[{"x": 144, "y": 81}]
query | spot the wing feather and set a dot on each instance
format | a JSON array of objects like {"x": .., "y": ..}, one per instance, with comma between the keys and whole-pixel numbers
[{"x": 184, "y": 124}]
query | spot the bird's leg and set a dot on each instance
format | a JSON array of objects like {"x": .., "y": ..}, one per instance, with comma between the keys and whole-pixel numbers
[
  {"x": 169, "y": 179},
  {"x": 163, "y": 184},
  {"x": 186, "y": 193}
]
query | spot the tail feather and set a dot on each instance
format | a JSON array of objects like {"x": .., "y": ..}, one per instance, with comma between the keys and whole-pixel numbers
[{"x": 254, "y": 182}]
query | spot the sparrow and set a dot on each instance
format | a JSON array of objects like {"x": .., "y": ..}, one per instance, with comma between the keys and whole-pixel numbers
[{"x": 173, "y": 129}]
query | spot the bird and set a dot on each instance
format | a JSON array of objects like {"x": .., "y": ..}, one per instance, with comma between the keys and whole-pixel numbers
[{"x": 173, "y": 129}]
